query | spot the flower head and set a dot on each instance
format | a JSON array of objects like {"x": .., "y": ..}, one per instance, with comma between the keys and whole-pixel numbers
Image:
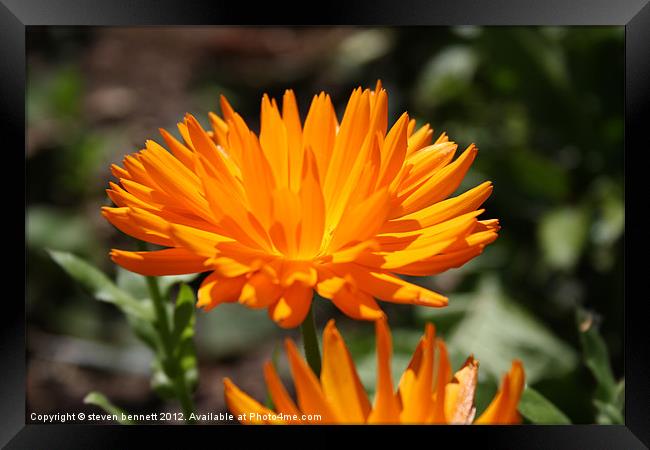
[
  {"x": 336, "y": 208},
  {"x": 427, "y": 391}
]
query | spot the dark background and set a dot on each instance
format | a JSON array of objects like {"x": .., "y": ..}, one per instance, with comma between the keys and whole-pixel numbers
[{"x": 544, "y": 105}]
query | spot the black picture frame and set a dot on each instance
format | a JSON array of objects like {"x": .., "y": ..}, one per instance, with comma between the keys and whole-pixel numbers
[{"x": 17, "y": 15}]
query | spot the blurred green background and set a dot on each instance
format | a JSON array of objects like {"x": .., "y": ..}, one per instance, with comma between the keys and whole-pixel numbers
[{"x": 544, "y": 105}]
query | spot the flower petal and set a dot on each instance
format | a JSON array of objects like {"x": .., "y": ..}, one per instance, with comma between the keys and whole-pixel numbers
[
  {"x": 352, "y": 252},
  {"x": 171, "y": 175},
  {"x": 283, "y": 403},
  {"x": 121, "y": 197},
  {"x": 170, "y": 261},
  {"x": 220, "y": 162},
  {"x": 220, "y": 130},
  {"x": 320, "y": 131},
  {"x": 121, "y": 219},
  {"x": 180, "y": 151},
  {"x": 340, "y": 381},
  {"x": 260, "y": 291},
  {"x": 291, "y": 119},
  {"x": 287, "y": 212},
  {"x": 350, "y": 300},
  {"x": 308, "y": 390},
  {"x": 421, "y": 138},
  {"x": 393, "y": 151},
  {"x": 442, "y": 372},
  {"x": 362, "y": 221},
  {"x": 242, "y": 405},
  {"x": 292, "y": 307},
  {"x": 441, "y": 211},
  {"x": 390, "y": 288},
  {"x": 351, "y": 135},
  {"x": 441, "y": 184},
  {"x": 357, "y": 304},
  {"x": 313, "y": 208},
  {"x": 503, "y": 408},
  {"x": 440, "y": 263},
  {"x": 386, "y": 407},
  {"x": 216, "y": 289},
  {"x": 459, "y": 394},
  {"x": 416, "y": 385},
  {"x": 200, "y": 242},
  {"x": 424, "y": 163},
  {"x": 273, "y": 139}
]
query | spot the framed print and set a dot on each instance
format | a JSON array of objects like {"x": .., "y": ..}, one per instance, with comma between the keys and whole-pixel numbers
[{"x": 385, "y": 218}]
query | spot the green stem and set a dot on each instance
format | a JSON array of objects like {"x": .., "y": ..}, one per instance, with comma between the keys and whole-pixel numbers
[
  {"x": 162, "y": 320},
  {"x": 164, "y": 328},
  {"x": 310, "y": 341}
]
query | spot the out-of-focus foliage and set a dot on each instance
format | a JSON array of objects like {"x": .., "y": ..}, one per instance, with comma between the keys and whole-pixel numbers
[
  {"x": 610, "y": 394},
  {"x": 102, "y": 288},
  {"x": 534, "y": 407},
  {"x": 481, "y": 331},
  {"x": 543, "y": 104},
  {"x": 170, "y": 340},
  {"x": 99, "y": 399}
]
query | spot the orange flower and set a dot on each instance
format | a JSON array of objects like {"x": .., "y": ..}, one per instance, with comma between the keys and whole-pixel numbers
[
  {"x": 339, "y": 208},
  {"x": 427, "y": 392}
]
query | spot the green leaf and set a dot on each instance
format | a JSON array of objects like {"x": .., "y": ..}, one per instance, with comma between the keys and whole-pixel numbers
[
  {"x": 610, "y": 222},
  {"x": 446, "y": 76},
  {"x": 99, "y": 399},
  {"x": 596, "y": 356},
  {"x": 497, "y": 330},
  {"x": 183, "y": 334},
  {"x": 139, "y": 313},
  {"x": 167, "y": 370},
  {"x": 145, "y": 330},
  {"x": 133, "y": 283},
  {"x": 188, "y": 363},
  {"x": 619, "y": 399},
  {"x": 51, "y": 227},
  {"x": 362, "y": 47},
  {"x": 548, "y": 58},
  {"x": 538, "y": 175},
  {"x": 609, "y": 395},
  {"x": 163, "y": 374},
  {"x": 168, "y": 281},
  {"x": 184, "y": 314},
  {"x": 161, "y": 383},
  {"x": 101, "y": 286},
  {"x": 55, "y": 94},
  {"x": 562, "y": 236},
  {"x": 537, "y": 409},
  {"x": 608, "y": 414},
  {"x": 136, "y": 284},
  {"x": 445, "y": 318}
]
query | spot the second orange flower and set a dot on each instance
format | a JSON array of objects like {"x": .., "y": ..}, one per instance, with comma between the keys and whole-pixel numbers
[{"x": 427, "y": 391}]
